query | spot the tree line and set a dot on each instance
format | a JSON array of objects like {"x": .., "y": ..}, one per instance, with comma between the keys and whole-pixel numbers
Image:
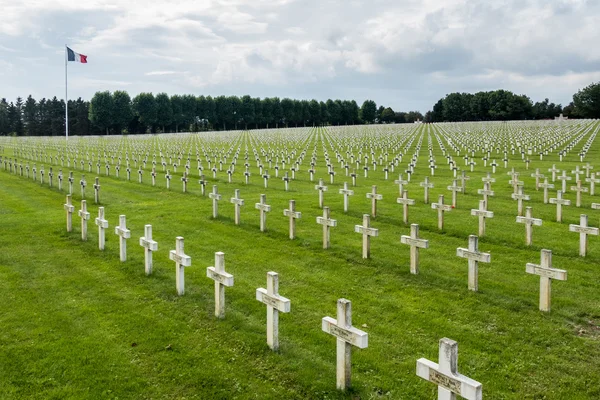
[
  {"x": 118, "y": 113},
  {"x": 504, "y": 105}
]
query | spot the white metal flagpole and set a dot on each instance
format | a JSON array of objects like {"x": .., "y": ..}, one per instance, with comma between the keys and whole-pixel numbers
[{"x": 66, "y": 97}]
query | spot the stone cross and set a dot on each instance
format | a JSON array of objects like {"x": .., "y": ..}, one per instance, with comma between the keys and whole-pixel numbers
[
  {"x": 482, "y": 213},
  {"x": 60, "y": 179},
  {"x": 488, "y": 179},
  {"x": 264, "y": 208},
  {"x": 71, "y": 180},
  {"x": 559, "y": 201},
  {"x": 515, "y": 183},
  {"x": 462, "y": 179},
  {"x": 405, "y": 201},
  {"x": 69, "y": 208},
  {"x": 184, "y": 181},
  {"x": 577, "y": 172},
  {"x": 564, "y": 178},
  {"x": 275, "y": 303},
  {"x": 182, "y": 260},
  {"x": 97, "y": 190},
  {"x": 347, "y": 336},
  {"x": 485, "y": 192},
  {"x": 546, "y": 186},
  {"x": 102, "y": 225},
  {"x": 475, "y": 257},
  {"x": 519, "y": 196},
  {"x": 367, "y": 232},
  {"x": 202, "y": 183},
  {"x": 426, "y": 186},
  {"x": 321, "y": 188},
  {"x": 222, "y": 279},
  {"x": 140, "y": 174},
  {"x": 445, "y": 374},
  {"x": 327, "y": 223},
  {"x": 592, "y": 180},
  {"x": 454, "y": 188},
  {"x": 82, "y": 183},
  {"x": 441, "y": 207},
  {"x": 346, "y": 193},
  {"x": 579, "y": 189},
  {"x": 153, "y": 175},
  {"x": 415, "y": 243},
  {"x": 583, "y": 229},
  {"x": 292, "y": 214},
  {"x": 50, "y": 176},
  {"x": 529, "y": 221},
  {"x": 237, "y": 204},
  {"x": 216, "y": 197},
  {"x": 286, "y": 181},
  {"x": 266, "y": 177},
  {"x": 587, "y": 168},
  {"x": 84, "y": 215},
  {"x": 400, "y": 182},
  {"x": 554, "y": 170},
  {"x": 546, "y": 273},
  {"x": 537, "y": 177},
  {"x": 168, "y": 178},
  {"x": 374, "y": 196},
  {"x": 149, "y": 246},
  {"x": 124, "y": 234}
]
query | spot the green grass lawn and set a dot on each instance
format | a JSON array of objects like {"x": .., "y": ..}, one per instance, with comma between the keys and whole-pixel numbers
[{"x": 77, "y": 323}]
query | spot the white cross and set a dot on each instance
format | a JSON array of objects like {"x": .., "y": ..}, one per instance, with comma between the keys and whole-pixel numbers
[
  {"x": 564, "y": 178},
  {"x": 537, "y": 177},
  {"x": 441, "y": 207},
  {"x": 519, "y": 196},
  {"x": 275, "y": 303},
  {"x": 292, "y": 214},
  {"x": 546, "y": 273},
  {"x": 321, "y": 188},
  {"x": 446, "y": 376},
  {"x": 474, "y": 256},
  {"x": 184, "y": 180},
  {"x": 546, "y": 186},
  {"x": 346, "y": 192},
  {"x": 102, "y": 225},
  {"x": 415, "y": 243},
  {"x": 559, "y": 201},
  {"x": 454, "y": 188},
  {"x": 367, "y": 232},
  {"x": 426, "y": 186},
  {"x": 237, "y": 204},
  {"x": 577, "y": 172},
  {"x": 123, "y": 234},
  {"x": 266, "y": 177},
  {"x": 579, "y": 189},
  {"x": 405, "y": 201},
  {"x": 84, "y": 219},
  {"x": 347, "y": 336},
  {"x": 400, "y": 182},
  {"x": 182, "y": 260},
  {"x": 264, "y": 209},
  {"x": 69, "y": 208},
  {"x": 482, "y": 213},
  {"x": 374, "y": 196},
  {"x": 583, "y": 229},
  {"x": 592, "y": 180},
  {"x": 587, "y": 168},
  {"x": 83, "y": 183},
  {"x": 97, "y": 190},
  {"x": 216, "y": 197},
  {"x": 462, "y": 179},
  {"x": 554, "y": 170},
  {"x": 529, "y": 221},
  {"x": 327, "y": 223},
  {"x": 149, "y": 246},
  {"x": 488, "y": 179},
  {"x": 222, "y": 279},
  {"x": 168, "y": 178}
]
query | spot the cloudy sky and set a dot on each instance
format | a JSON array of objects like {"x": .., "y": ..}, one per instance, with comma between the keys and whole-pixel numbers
[{"x": 401, "y": 53}]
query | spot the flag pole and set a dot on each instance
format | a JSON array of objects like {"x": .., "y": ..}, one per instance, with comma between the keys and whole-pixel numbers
[{"x": 66, "y": 98}]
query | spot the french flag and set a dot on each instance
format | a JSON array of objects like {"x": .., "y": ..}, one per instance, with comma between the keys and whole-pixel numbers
[{"x": 72, "y": 56}]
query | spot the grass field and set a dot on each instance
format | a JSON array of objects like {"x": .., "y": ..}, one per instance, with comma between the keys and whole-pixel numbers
[{"x": 77, "y": 323}]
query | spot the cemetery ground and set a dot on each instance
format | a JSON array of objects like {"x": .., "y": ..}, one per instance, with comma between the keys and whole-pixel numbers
[{"x": 75, "y": 322}]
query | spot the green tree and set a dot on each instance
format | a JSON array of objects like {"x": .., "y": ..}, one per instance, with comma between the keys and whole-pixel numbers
[
  {"x": 247, "y": 112},
  {"x": 587, "y": 101},
  {"x": 164, "y": 111},
  {"x": 315, "y": 112},
  {"x": 335, "y": 112},
  {"x": 258, "y": 112},
  {"x": 101, "y": 110},
  {"x": 287, "y": 110},
  {"x": 188, "y": 110},
  {"x": 144, "y": 107},
  {"x": 368, "y": 111},
  {"x": 388, "y": 115},
  {"x": 30, "y": 119},
  {"x": 267, "y": 110},
  {"x": 177, "y": 108},
  {"x": 122, "y": 112},
  {"x": 4, "y": 120}
]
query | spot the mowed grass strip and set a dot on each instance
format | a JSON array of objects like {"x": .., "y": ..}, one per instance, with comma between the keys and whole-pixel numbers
[{"x": 77, "y": 323}]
